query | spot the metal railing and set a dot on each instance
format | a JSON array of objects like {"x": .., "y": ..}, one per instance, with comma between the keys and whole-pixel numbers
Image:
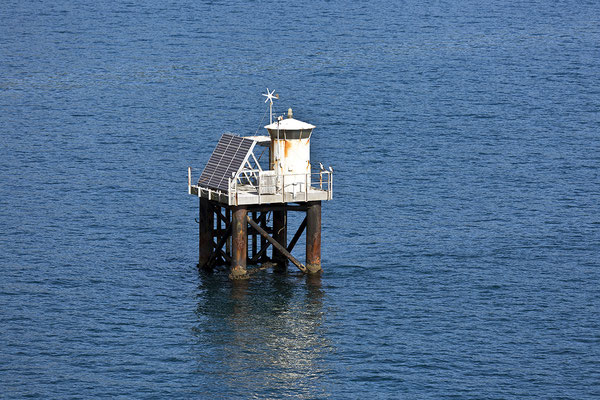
[{"x": 298, "y": 185}]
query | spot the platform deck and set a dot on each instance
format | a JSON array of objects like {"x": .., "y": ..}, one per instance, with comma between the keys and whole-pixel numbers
[{"x": 248, "y": 196}]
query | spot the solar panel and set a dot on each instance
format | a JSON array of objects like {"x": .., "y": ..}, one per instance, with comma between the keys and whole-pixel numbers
[{"x": 227, "y": 159}]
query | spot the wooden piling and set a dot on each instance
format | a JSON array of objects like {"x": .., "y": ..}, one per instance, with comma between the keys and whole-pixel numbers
[
  {"x": 313, "y": 237},
  {"x": 263, "y": 242},
  {"x": 219, "y": 230},
  {"x": 297, "y": 236},
  {"x": 228, "y": 243},
  {"x": 280, "y": 235},
  {"x": 205, "y": 229},
  {"x": 254, "y": 237}
]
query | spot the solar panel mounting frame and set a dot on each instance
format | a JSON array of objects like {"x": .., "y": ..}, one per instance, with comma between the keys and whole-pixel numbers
[{"x": 226, "y": 161}]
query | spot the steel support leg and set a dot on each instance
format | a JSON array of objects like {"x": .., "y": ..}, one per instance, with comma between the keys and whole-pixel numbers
[
  {"x": 313, "y": 237},
  {"x": 239, "y": 245}
]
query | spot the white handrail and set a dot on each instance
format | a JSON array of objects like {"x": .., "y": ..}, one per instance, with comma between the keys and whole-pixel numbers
[
  {"x": 318, "y": 184},
  {"x": 306, "y": 186}
]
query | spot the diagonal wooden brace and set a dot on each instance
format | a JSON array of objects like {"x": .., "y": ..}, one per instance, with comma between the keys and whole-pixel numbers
[
  {"x": 224, "y": 255},
  {"x": 258, "y": 255},
  {"x": 297, "y": 235},
  {"x": 219, "y": 247}
]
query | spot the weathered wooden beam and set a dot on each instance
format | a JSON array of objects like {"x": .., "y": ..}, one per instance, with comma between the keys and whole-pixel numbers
[
  {"x": 205, "y": 233},
  {"x": 218, "y": 248},
  {"x": 226, "y": 257},
  {"x": 228, "y": 222},
  {"x": 263, "y": 242},
  {"x": 276, "y": 244},
  {"x": 218, "y": 231},
  {"x": 280, "y": 235},
  {"x": 251, "y": 230},
  {"x": 263, "y": 250},
  {"x": 297, "y": 235},
  {"x": 222, "y": 217},
  {"x": 272, "y": 207},
  {"x": 254, "y": 236}
]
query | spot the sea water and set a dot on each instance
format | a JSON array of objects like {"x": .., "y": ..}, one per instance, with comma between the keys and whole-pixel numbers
[{"x": 461, "y": 250}]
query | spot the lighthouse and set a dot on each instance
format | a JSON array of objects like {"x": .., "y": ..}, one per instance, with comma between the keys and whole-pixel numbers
[
  {"x": 243, "y": 203},
  {"x": 290, "y": 151}
]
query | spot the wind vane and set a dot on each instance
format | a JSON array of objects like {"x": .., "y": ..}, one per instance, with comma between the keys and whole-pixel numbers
[{"x": 270, "y": 96}]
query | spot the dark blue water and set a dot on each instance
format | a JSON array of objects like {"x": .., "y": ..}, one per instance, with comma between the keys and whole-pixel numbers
[{"x": 461, "y": 252}]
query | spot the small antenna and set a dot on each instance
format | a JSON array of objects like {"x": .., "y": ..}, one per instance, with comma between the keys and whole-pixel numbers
[{"x": 270, "y": 96}]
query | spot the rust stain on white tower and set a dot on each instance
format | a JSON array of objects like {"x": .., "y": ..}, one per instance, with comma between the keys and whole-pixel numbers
[{"x": 290, "y": 152}]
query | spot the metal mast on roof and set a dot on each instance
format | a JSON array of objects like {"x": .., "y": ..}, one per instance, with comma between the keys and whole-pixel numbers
[{"x": 270, "y": 96}]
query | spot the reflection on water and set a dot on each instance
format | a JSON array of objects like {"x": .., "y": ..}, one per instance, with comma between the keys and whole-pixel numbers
[{"x": 262, "y": 337}]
